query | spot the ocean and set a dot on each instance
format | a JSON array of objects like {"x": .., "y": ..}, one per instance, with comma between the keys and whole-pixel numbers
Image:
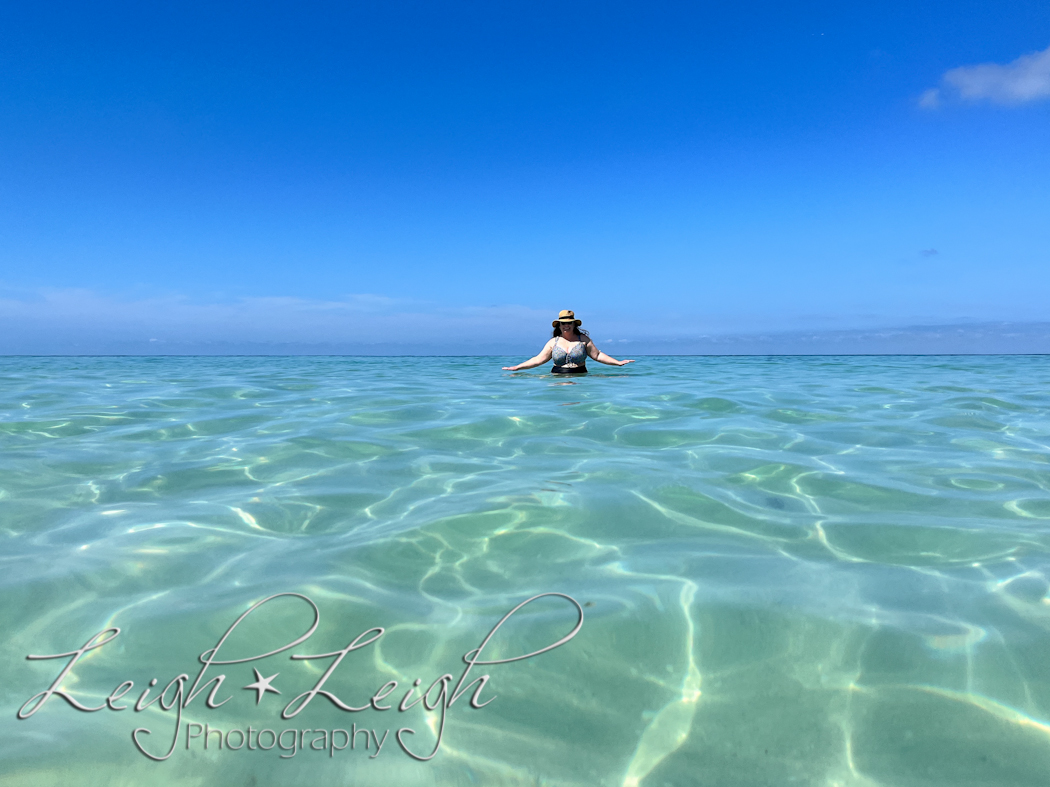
[{"x": 760, "y": 570}]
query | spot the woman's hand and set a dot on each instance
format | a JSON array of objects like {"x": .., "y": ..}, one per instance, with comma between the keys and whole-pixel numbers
[
  {"x": 601, "y": 357},
  {"x": 534, "y": 361}
]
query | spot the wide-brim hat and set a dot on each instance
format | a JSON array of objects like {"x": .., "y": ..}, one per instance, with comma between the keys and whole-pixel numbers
[{"x": 565, "y": 315}]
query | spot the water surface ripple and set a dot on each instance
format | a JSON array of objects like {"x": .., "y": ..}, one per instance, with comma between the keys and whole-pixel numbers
[{"x": 815, "y": 571}]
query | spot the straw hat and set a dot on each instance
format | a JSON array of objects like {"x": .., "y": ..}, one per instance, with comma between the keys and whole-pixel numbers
[{"x": 566, "y": 315}]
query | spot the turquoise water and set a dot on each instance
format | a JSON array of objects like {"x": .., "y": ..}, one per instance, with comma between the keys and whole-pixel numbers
[{"x": 813, "y": 571}]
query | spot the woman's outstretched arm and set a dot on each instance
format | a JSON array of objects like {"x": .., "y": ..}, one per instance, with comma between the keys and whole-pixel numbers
[
  {"x": 601, "y": 357},
  {"x": 536, "y": 360}
]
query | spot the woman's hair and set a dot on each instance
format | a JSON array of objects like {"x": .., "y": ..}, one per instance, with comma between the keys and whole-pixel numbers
[{"x": 579, "y": 330}]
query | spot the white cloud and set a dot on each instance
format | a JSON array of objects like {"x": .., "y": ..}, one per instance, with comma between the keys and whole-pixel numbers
[
  {"x": 1024, "y": 80},
  {"x": 53, "y": 319},
  {"x": 931, "y": 99}
]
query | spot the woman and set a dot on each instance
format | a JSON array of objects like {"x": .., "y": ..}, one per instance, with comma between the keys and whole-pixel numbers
[{"x": 568, "y": 349}]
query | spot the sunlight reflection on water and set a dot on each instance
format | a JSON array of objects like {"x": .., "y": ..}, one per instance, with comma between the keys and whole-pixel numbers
[{"x": 805, "y": 570}]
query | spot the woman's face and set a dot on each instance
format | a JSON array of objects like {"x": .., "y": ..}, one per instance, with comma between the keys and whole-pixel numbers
[{"x": 567, "y": 327}]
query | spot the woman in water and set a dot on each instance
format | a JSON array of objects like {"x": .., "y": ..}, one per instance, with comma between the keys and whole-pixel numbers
[{"x": 568, "y": 349}]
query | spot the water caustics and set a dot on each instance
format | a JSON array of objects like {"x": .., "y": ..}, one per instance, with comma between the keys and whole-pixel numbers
[{"x": 825, "y": 571}]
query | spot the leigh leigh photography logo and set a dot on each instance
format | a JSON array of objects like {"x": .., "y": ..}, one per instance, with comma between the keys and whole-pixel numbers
[{"x": 438, "y": 698}]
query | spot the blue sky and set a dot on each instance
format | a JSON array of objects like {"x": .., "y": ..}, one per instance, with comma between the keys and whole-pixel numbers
[{"x": 396, "y": 175}]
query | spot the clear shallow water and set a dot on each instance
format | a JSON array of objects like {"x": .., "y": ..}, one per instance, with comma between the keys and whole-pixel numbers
[{"x": 826, "y": 571}]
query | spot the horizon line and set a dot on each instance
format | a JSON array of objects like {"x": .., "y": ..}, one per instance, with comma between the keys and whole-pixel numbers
[{"x": 412, "y": 355}]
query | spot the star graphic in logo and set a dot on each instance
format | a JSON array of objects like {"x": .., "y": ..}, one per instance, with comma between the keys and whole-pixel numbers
[{"x": 262, "y": 685}]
